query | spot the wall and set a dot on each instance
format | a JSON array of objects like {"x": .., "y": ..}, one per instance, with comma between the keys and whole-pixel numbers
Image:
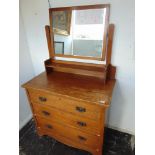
[
  {"x": 80, "y": 47},
  {"x": 67, "y": 43},
  {"x": 26, "y": 72},
  {"x": 121, "y": 113}
]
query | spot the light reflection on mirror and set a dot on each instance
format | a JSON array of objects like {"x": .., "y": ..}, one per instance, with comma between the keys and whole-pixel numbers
[{"x": 80, "y": 31}]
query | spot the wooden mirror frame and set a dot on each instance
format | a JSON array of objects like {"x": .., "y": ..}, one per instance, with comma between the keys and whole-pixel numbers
[{"x": 105, "y": 35}]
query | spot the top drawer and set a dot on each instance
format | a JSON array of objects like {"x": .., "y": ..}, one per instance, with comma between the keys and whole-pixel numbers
[{"x": 80, "y": 108}]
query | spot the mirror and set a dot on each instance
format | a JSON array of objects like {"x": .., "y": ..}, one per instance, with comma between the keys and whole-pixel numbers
[{"x": 80, "y": 32}]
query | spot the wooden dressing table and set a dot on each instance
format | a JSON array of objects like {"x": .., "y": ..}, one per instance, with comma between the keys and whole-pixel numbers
[{"x": 69, "y": 99}]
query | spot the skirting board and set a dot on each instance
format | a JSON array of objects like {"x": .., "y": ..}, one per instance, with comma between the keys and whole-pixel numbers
[
  {"x": 119, "y": 129},
  {"x": 26, "y": 120}
]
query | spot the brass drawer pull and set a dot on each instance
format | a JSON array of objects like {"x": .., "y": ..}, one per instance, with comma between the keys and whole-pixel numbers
[
  {"x": 42, "y": 99},
  {"x": 49, "y": 126},
  {"x": 46, "y": 113},
  {"x": 82, "y": 138},
  {"x": 81, "y": 123},
  {"x": 80, "y": 109}
]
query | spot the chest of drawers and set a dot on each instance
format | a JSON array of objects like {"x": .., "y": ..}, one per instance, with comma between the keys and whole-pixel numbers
[{"x": 70, "y": 109}]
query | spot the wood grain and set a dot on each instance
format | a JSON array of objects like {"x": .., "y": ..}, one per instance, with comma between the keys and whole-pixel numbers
[
  {"x": 75, "y": 87},
  {"x": 82, "y": 123},
  {"x": 69, "y": 132},
  {"x": 70, "y": 142},
  {"x": 54, "y": 98},
  {"x": 110, "y": 42},
  {"x": 47, "y": 30},
  {"x": 59, "y": 102},
  {"x": 50, "y": 34}
]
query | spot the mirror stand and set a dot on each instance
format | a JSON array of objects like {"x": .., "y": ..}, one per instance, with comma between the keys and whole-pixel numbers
[{"x": 103, "y": 71}]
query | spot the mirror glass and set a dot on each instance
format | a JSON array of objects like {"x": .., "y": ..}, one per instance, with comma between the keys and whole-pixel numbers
[{"x": 79, "y": 32}]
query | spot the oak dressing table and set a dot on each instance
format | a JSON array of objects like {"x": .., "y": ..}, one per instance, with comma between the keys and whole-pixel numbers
[{"x": 69, "y": 99}]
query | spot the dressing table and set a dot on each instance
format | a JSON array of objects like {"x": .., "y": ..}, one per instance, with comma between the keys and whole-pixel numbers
[{"x": 69, "y": 99}]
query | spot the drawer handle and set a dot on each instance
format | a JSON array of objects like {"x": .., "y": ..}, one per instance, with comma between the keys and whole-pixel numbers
[
  {"x": 81, "y": 123},
  {"x": 42, "y": 99},
  {"x": 46, "y": 113},
  {"x": 80, "y": 109},
  {"x": 82, "y": 138},
  {"x": 49, "y": 126}
]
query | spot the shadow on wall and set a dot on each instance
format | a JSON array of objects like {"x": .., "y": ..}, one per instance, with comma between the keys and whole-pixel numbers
[{"x": 117, "y": 104}]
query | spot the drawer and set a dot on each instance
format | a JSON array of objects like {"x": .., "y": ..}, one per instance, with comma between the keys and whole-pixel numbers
[
  {"x": 80, "y": 108},
  {"x": 54, "y": 115},
  {"x": 68, "y": 132}
]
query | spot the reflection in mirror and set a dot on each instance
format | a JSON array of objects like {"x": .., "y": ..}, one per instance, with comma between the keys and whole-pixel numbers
[{"x": 81, "y": 32}]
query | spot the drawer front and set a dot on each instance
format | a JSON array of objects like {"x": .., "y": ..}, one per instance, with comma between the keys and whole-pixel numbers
[
  {"x": 68, "y": 132},
  {"x": 69, "y": 105},
  {"x": 61, "y": 117}
]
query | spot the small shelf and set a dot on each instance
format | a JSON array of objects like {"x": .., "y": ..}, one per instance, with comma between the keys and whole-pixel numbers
[{"x": 98, "y": 71}]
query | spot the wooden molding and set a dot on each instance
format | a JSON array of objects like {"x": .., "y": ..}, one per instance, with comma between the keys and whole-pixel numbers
[
  {"x": 110, "y": 42},
  {"x": 49, "y": 42}
]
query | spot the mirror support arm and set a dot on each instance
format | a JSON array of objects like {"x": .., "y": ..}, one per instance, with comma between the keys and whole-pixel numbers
[
  {"x": 49, "y": 42},
  {"x": 110, "y": 42}
]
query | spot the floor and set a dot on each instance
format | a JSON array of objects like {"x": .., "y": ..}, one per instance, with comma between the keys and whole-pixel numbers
[{"x": 115, "y": 143}]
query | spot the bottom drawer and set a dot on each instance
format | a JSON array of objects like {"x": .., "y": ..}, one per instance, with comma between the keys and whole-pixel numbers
[{"x": 68, "y": 132}]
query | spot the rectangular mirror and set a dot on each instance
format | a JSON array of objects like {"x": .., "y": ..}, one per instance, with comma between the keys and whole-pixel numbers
[{"x": 80, "y": 32}]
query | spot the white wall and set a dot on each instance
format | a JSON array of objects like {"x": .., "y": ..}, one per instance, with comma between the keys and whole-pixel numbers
[
  {"x": 121, "y": 113},
  {"x": 67, "y": 43},
  {"x": 26, "y": 72}
]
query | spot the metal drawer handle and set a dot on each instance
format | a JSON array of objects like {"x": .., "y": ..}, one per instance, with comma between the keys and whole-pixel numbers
[
  {"x": 42, "y": 99},
  {"x": 81, "y": 123},
  {"x": 82, "y": 138},
  {"x": 46, "y": 113},
  {"x": 49, "y": 126},
  {"x": 80, "y": 109}
]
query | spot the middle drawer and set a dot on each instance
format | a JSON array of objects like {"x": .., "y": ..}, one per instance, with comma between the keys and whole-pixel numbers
[{"x": 55, "y": 115}]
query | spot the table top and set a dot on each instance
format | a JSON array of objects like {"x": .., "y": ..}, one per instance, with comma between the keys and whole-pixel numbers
[{"x": 76, "y": 86}]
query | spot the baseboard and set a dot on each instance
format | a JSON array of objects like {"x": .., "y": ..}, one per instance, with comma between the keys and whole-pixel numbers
[
  {"x": 21, "y": 125},
  {"x": 120, "y": 129}
]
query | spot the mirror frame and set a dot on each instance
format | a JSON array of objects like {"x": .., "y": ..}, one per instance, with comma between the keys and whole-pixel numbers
[{"x": 105, "y": 35}]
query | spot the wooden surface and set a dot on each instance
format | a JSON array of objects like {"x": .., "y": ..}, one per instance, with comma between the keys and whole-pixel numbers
[
  {"x": 49, "y": 42},
  {"x": 78, "y": 57},
  {"x": 74, "y": 86},
  {"x": 54, "y": 115},
  {"x": 76, "y": 68},
  {"x": 70, "y": 108},
  {"x": 110, "y": 42},
  {"x": 59, "y": 102},
  {"x": 69, "y": 132},
  {"x": 69, "y": 142}
]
